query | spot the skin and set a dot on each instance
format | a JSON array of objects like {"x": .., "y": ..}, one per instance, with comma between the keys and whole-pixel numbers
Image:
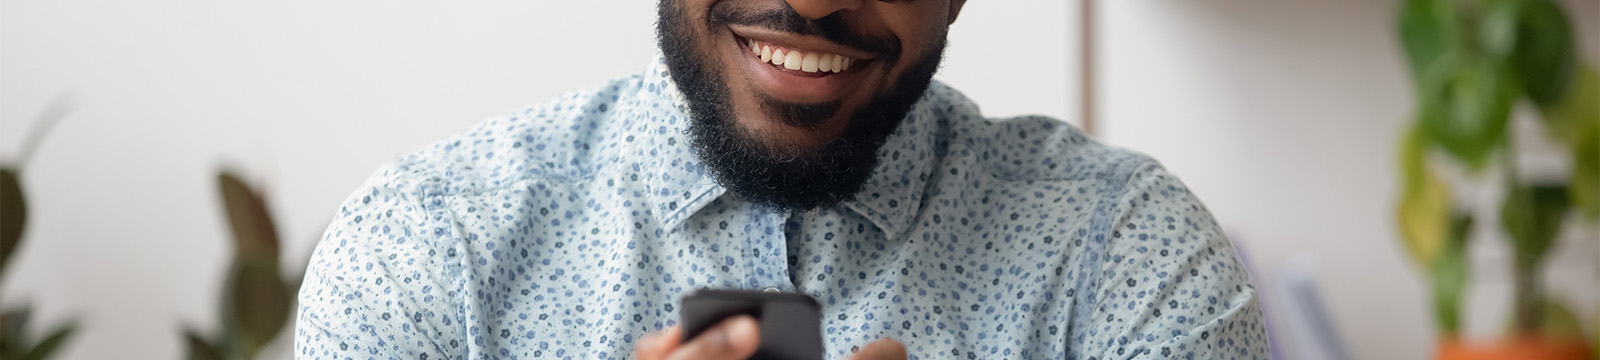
[{"x": 918, "y": 26}]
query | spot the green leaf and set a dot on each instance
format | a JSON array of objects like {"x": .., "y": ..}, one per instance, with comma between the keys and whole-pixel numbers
[
  {"x": 1424, "y": 210},
  {"x": 1466, "y": 104},
  {"x": 1576, "y": 116},
  {"x": 1497, "y": 29},
  {"x": 1558, "y": 322},
  {"x": 1449, "y": 273},
  {"x": 16, "y": 323},
  {"x": 1428, "y": 30},
  {"x": 254, "y": 236},
  {"x": 1575, "y": 119},
  {"x": 1532, "y": 217},
  {"x": 1586, "y": 176},
  {"x": 13, "y": 214},
  {"x": 15, "y": 342},
  {"x": 50, "y": 344},
  {"x": 199, "y": 348},
  {"x": 258, "y": 303},
  {"x": 1543, "y": 54}
]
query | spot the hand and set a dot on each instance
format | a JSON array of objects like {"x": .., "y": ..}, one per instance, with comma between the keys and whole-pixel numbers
[
  {"x": 733, "y": 339},
  {"x": 883, "y": 349}
]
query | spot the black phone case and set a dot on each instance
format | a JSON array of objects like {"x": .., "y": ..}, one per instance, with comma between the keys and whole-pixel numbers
[{"x": 791, "y": 324}]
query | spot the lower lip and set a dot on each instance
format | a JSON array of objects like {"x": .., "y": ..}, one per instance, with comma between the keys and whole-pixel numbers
[{"x": 793, "y": 85}]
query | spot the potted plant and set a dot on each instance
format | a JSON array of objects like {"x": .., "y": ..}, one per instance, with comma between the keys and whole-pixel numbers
[{"x": 1473, "y": 62}]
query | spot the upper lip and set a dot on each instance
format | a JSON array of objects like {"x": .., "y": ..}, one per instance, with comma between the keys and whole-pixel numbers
[{"x": 798, "y": 42}]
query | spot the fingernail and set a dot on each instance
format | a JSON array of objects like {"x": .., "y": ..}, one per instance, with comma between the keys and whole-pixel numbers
[
  {"x": 735, "y": 331},
  {"x": 742, "y": 329}
]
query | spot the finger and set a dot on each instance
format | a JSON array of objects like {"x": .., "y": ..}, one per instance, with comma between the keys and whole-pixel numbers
[
  {"x": 883, "y": 349},
  {"x": 734, "y": 339},
  {"x": 657, "y": 345}
]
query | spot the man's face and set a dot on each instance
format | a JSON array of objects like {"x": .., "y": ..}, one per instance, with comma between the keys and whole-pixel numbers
[{"x": 790, "y": 100}]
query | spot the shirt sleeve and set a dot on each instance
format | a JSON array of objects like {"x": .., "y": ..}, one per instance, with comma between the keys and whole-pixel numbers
[
  {"x": 383, "y": 283},
  {"x": 1170, "y": 285}
]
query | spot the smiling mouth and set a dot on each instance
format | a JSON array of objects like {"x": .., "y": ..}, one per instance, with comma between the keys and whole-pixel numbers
[{"x": 797, "y": 62}]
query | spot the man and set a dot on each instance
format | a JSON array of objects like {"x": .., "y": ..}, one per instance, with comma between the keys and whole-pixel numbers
[{"x": 776, "y": 145}]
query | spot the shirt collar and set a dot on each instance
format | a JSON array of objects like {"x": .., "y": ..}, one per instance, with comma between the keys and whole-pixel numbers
[
  {"x": 893, "y": 195},
  {"x": 678, "y": 185}
]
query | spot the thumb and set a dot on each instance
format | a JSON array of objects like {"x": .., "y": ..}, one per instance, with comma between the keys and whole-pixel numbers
[{"x": 883, "y": 349}]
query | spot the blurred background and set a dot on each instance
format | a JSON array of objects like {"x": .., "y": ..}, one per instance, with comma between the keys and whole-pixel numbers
[{"x": 1286, "y": 117}]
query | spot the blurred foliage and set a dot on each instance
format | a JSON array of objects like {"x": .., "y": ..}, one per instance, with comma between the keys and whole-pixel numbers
[
  {"x": 1472, "y": 63},
  {"x": 15, "y": 342},
  {"x": 1532, "y": 216},
  {"x": 15, "y": 339},
  {"x": 1449, "y": 272},
  {"x": 1575, "y": 119},
  {"x": 257, "y": 299},
  {"x": 13, "y": 214},
  {"x": 1424, "y": 213},
  {"x": 1559, "y": 322}
]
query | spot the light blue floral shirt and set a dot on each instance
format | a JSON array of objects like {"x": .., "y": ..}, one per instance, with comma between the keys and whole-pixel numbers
[{"x": 568, "y": 230}]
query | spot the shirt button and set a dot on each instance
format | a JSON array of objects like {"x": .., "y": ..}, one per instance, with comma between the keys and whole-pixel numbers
[{"x": 770, "y": 289}]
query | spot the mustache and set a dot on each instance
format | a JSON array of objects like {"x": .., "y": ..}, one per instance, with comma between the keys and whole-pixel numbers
[{"x": 785, "y": 19}]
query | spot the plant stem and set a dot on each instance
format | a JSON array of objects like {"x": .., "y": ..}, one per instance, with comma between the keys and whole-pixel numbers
[
  {"x": 58, "y": 109},
  {"x": 1525, "y": 267},
  {"x": 1526, "y": 302}
]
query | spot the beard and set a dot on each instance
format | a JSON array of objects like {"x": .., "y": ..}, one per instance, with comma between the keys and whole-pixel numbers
[{"x": 760, "y": 168}]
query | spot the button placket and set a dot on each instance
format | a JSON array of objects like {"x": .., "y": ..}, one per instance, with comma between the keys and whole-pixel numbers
[{"x": 769, "y": 264}]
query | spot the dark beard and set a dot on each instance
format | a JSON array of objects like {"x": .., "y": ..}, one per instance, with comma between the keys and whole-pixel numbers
[{"x": 781, "y": 177}]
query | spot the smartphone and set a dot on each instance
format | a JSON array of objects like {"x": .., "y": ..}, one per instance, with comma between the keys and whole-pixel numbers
[{"x": 791, "y": 323}]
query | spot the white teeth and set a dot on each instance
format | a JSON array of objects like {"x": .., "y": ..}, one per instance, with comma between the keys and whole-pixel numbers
[
  {"x": 799, "y": 60},
  {"x": 792, "y": 60},
  {"x": 809, "y": 63}
]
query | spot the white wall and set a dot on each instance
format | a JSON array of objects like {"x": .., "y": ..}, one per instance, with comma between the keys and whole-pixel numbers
[
  {"x": 308, "y": 98},
  {"x": 1284, "y": 116}
]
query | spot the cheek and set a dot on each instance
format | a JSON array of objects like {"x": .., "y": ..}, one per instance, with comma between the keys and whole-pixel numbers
[
  {"x": 694, "y": 14},
  {"x": 921, "y": 29}
]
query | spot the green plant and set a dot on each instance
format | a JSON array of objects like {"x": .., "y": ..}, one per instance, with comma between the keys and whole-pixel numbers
[
  {"x": 257, "y": 299},
  {"x": 1473, "y": 63},
  {"x": 15, "y": 341}
]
